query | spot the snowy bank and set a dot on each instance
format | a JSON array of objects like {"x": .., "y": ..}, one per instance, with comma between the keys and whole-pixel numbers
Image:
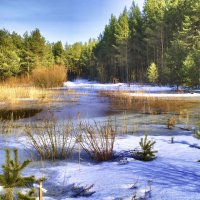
[
  {"x": 184, "y": 96},
  {"x": 117, "y": 86},
  {"x": 174, "y": 174}
]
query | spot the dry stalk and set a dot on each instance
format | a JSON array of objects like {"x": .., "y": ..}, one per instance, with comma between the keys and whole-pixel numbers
[
  {"x": 98, "y": 140},
  {"x": 50, "y": 139}
]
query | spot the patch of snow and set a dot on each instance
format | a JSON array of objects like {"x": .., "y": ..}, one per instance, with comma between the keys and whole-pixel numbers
[
  {"x": 160, "y": 95},
  {"x": 115, "y": 86},
  {"x": 174, "y": 174}
]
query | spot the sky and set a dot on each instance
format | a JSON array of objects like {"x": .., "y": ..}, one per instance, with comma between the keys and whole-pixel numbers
[{"x": 65, "y": 20}]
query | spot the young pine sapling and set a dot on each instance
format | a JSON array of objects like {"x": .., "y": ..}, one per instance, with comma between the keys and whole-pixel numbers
[
  {"x": 146, "y": 152},
  {"x": 11, "y": 177}
]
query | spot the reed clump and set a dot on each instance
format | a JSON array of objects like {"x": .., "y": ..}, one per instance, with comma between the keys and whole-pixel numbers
[
  {"x": 13, "y": 94},
  {"x": 98, "y": 140},
  {"x": 146, "y": 104},
  {"x": 49, "y": 77},
  {"x": 51, "y": 139}
]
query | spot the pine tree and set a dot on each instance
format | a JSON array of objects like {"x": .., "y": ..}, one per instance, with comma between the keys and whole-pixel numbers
[
  {"x": 152, "y": 73},
  {"x": 11, "y": 177},
  {"x": 29, "y": 196},
  {"x": 58, "y": 52},
  {"x": 136, "y": 48},
  {"x": 146, "y": 153},
  {"x": 154, "y": 12},
  {"x": 122, "y": 36}
]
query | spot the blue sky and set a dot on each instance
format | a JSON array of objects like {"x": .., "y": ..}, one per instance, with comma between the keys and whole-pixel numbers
[{"x": 66, "y": 20}]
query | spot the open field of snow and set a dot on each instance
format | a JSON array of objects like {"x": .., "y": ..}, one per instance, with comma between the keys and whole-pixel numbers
[{"x": 173, "y": 175}]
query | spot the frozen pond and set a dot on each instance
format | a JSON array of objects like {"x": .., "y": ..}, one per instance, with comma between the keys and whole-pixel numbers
[{"x": 174, "y": 174}]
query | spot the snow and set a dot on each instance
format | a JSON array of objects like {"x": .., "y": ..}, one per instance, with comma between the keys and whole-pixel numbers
[
  {"x": 115, "y": 86},
  {"x": 174, "y": 175},
  {"x": 135, "y": 89},
  {"x": 168, "y": 96}
]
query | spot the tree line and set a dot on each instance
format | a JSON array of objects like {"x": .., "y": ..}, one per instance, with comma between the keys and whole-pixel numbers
[
  {"x": 161, "y": 41},
  {"x": 166, "y": 33},
  {"x": 20, "y": 55}
]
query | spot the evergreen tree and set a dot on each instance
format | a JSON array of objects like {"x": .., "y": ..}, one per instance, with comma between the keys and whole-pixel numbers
[
  {"x": 29, "y": 196},
  {"x": 122, "y": 37},
  {"x": 72, "y": 59},
  {"x": 174, "y": 60},
  {"x": 152, "y": 73},
  {"x": 146, "y": 153},
  {"x": 9, "y": 59},
  {"x": 154, "y": 12},
  {"x": 105, "y": 53},
  {"x": 9, "y": 63},
  {"x": 11, "y": 177},
  {"x": 136, "y": 53},
  {"x": 87, "y": 60},
  {"x": 58, "y": 52}
]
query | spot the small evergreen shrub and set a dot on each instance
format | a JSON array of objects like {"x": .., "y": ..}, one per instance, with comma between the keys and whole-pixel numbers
[
  {"x": 27, "y": 196},
  {"x": 11, "y": 177},
  {"x": 146, "y": 152}
]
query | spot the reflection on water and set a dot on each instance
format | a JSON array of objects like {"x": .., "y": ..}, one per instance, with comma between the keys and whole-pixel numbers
[
  {"x": 92, "y": 106},
  {"x": 13, "y": 114}
]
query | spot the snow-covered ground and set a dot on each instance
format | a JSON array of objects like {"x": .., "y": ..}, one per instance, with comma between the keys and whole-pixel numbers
[
  {"x": 174, "y": 175},
  {"x": 117, "y": 86},
  {"x": 135, "y": 89},
  {"x": 183, "y": 96}
]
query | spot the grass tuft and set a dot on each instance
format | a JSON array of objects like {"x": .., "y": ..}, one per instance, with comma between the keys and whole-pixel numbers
[{"x": 98, "y": 140}]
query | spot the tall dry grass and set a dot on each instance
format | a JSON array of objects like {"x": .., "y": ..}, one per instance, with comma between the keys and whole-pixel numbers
[
  {"x": 49, "y": 77},
  {"x": 98, "y": 140},
  {"x": 51, "y": 139},
  {"x": 146, "y": 104},
  {"x": 13, "y": 94},
  {"x": 17, "y": 81}
]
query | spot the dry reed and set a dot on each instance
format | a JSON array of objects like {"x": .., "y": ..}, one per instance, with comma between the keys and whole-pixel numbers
[
  {"x": 49, "y": 77},
  {"x": 98, "y": 140},
  {"x": 171, "y": 122},
  {"x": 146, "y": 104},
  {"x": 51, "y": 139},
  {"x": 13, "y": 94}
]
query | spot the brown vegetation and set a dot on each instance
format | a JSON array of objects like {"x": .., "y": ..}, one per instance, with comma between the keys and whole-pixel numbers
[
  {"x": 97, "y": 140},
  {"x": 49, "y": 77},
  {"x": 51, "y": 139},
  {"x": 146, "y": 104},
  {"x": 171, "y": 122},
  {"x": 13, "y": 94}
]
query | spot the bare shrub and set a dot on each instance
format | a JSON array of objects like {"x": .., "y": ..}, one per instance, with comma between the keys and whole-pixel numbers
[
  {"x": 49, "y": 77},
  {"x": 171, "y": 122},
  {"x": 98, "y": 140},
  {"x": 50, "y": 139}
]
